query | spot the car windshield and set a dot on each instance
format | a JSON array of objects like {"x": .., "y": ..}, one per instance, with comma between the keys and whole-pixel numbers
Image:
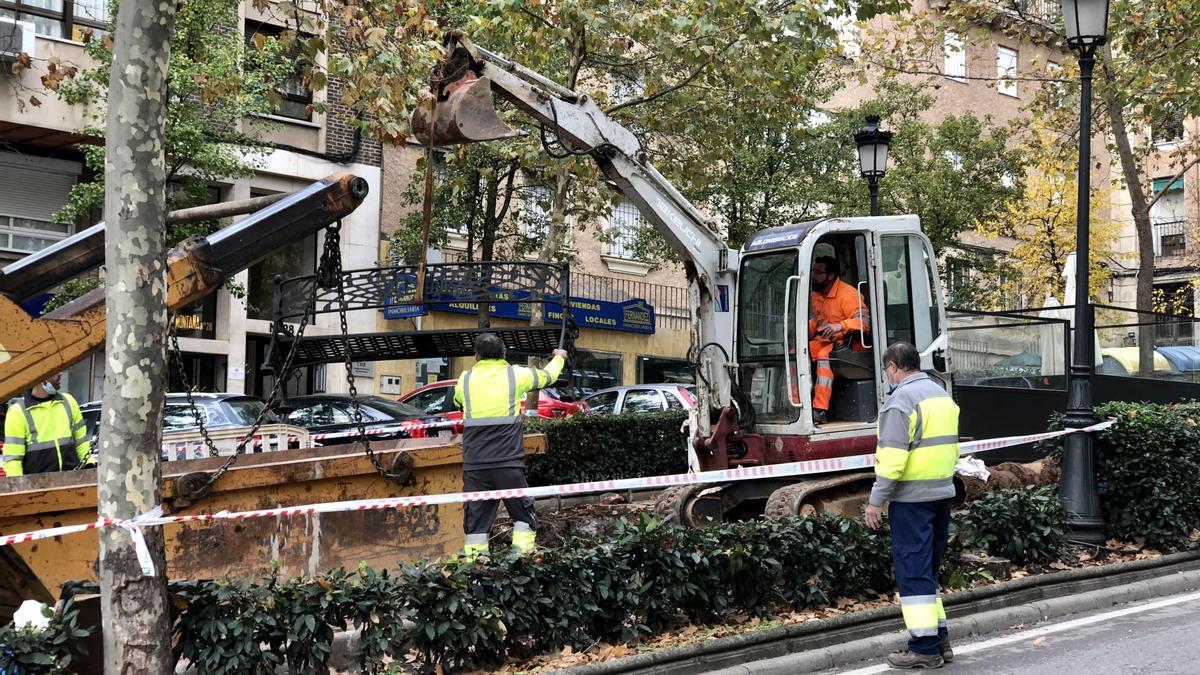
[
  {"x": 245, "y": 411},
  {"x": 396, "y": 409}
]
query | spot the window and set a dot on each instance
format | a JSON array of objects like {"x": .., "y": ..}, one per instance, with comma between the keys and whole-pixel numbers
[
  {"x": 431, "y": 402},
  {"x": 1169, "y": 217},
  {"x": 624, "y": 225},
  {"x": 1168, "y": 128},
  {"x": 69, "y": 19},
  {"x": 536, "y": 213},
  {"x": 28, "y": 235},
  {"x": 296, "y": 259},
  {"x": 654, "y": 370},
  {"x": 296, "y": 97},
  {"x": 1175, "y": 304},
  {"x": 602, "y": 404},
  {"x": 954, "y": 58},
  {"x": 910, "y": 311},
  {"x": 1006, "y": 71},
  {"x": 593, "y": 371},
  {"x": 642, "y": 400}
]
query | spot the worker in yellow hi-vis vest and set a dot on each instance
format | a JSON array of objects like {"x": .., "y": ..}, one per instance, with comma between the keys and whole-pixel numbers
[
  {"x": 914, "y": 470},
  {"x": 44, "y": 431},
  {"x": 490, "y": 395}
]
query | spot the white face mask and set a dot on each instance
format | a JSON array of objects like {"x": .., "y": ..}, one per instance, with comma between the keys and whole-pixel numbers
[{"x": 49, "y": 388}]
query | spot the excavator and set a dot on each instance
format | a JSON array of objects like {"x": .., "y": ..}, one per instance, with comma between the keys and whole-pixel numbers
[{"x": 750, "y": 307}]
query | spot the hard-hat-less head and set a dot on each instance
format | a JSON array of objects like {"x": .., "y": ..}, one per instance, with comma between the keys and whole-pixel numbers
[
  {"x": 489, "y": 346},
  {"x": 51, "y": 385}
]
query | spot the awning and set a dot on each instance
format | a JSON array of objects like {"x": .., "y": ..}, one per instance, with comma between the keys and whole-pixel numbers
[
  {"x": 1184, "y": 358},
  {"x": 1160, "y": 184},
  {"x": 1128, "y": 358}
]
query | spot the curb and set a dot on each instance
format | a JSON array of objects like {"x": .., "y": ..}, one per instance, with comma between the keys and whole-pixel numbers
[{"x": 848, "y": 638}]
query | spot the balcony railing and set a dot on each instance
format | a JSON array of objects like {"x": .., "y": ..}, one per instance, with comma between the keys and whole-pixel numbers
[{"x": 1170, "y": 239}]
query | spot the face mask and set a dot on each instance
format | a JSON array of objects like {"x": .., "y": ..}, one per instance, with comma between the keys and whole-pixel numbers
[
  {"x": 892, "y": 386},
  {"x": 49, "y": 388}
]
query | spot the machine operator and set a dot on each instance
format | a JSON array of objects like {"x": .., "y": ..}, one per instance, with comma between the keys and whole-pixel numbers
[{"x": 837, "y": 309}]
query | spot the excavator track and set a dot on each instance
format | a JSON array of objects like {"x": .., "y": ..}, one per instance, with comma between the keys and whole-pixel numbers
[
  {"x": 841, "y": 495},
  {"x": 690, "y": 505}
]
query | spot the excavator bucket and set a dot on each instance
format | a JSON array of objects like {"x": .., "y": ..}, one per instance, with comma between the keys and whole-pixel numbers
[{"x": 466, "y": 114}]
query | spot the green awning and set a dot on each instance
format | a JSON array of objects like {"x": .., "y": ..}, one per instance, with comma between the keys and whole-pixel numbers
[{"x": 1160, "y": 184}]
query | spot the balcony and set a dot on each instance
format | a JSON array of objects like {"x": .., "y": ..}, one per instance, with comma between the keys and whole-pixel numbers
[
  {"x": 1170, "y": 240},
  {"x": 51, "y": 124}
]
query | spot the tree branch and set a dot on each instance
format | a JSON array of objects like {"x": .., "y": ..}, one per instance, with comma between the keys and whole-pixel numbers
[{"x": 675, "y": 87}]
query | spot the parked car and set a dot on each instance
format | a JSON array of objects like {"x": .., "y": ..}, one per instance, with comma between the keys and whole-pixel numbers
[
  {"x": 331, "y": 416},
  {"x": 641, "y": 398},
  {"x": 219, "y": 411},
  {"x": 437, "y": 398}
]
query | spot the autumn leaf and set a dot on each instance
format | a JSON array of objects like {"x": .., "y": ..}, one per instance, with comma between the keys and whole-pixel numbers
[{"x": 35, "y": 101}]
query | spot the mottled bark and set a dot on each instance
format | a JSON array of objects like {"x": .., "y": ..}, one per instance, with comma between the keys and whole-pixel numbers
[{"x": 136, "y": 632}]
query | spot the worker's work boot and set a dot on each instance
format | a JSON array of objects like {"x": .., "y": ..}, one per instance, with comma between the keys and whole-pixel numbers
[
  {"x": 947, "y": 650},
  {"x": 476, "y": 546},
  {"x": 820, "y": 417},
  {"x": 907, "y": 660},
  {"x": 524, "y": 539}
]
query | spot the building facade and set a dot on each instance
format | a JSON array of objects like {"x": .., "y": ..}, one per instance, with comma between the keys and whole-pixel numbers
[{"x": 224, "y": 338}]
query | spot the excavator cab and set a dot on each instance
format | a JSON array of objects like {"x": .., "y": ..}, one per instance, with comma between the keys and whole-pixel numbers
[{"x": 888, "y": 264}]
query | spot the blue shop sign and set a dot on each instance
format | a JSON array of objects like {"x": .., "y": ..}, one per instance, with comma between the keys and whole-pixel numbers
[
  {"x": 400, "y": 288},
  {"x": 632, "y": 316}
]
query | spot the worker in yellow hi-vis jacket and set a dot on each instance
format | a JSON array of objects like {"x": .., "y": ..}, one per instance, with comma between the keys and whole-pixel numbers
[
  {"x": 44, "y": 431},
  {"x": 914, "y": 471},
  {"x": 490, "y": 395}
]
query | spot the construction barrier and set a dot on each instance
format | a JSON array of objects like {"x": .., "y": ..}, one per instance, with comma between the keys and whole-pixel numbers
[{"x": 812, "y": 467}]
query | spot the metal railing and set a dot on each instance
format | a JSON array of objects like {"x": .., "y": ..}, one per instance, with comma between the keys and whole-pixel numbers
[
  {"x": 1170, "y": 239},
  {"x": 670, "y": 302}
]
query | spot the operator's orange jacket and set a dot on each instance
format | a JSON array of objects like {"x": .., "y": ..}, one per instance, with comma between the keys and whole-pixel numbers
[{"x": 840, "y": 304}]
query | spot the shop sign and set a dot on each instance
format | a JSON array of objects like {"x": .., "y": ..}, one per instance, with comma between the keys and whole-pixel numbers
[
  {"x": 632, "y": 316},
  {"x": 400, "y": 289}
]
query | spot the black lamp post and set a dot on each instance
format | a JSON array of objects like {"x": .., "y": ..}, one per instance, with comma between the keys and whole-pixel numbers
[
  {"x": 872, "y": 156},
  {"x": 1086, "y": 23}
]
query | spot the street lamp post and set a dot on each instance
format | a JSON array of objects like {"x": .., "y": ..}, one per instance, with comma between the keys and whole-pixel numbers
[
  {"x": 1086, "y": 23},
  {"x": 872, "y": 156}
]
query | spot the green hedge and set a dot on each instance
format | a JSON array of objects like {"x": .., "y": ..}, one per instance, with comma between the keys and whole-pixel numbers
[
  {"x": 645, "y": 578},
  {"x": 608, "y": 447},
  {"x": 25, "y": 651},
  {"x": 1148, "y": 471}
]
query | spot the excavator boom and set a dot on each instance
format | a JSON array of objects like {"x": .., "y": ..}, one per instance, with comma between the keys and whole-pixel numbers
[{"x": 33, "y": 349}]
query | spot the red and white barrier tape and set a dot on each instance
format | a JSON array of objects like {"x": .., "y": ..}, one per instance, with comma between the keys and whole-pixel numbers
[
  {"x": 817, "y": 466},
  {"x": 448, "y": 425}
]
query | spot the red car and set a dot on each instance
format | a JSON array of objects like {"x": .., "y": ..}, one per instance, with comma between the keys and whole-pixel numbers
[{"x": 438, "y": 399}]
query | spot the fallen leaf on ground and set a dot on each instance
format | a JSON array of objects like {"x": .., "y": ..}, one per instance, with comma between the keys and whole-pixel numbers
[{"x": 1038, "y": 642}]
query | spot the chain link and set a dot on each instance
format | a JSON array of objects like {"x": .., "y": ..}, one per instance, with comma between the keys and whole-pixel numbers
[
  {"x": 330, "y": 256},
  {"x": 336, "y": 271}
]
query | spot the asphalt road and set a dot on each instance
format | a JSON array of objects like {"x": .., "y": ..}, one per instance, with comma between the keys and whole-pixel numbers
[{"x": 1159, "y": 636}]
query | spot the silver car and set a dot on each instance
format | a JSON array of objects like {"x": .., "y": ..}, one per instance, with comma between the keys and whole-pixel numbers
[{"x": 637, "y": 398}]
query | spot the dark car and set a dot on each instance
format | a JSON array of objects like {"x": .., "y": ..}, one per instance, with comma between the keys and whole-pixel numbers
[{"x": 328, "y": 417}]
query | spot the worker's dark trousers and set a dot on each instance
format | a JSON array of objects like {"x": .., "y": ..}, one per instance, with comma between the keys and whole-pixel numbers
[
  {"x": 919, "y": 534},
  {"x": 479, "y": 516}
]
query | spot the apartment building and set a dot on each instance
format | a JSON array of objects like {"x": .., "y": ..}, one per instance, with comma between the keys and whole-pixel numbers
[{"x": 224, "y": 338}]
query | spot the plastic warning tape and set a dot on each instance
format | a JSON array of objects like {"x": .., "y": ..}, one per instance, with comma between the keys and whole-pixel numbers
[
  {"x": 810, "y": 467},
  {"x": 389, "y": 429}
]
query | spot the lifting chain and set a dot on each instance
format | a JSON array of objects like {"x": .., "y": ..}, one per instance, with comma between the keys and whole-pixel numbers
[
  {"x": 399, "y": 472},
  {"x": 194, "y": 486}
]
